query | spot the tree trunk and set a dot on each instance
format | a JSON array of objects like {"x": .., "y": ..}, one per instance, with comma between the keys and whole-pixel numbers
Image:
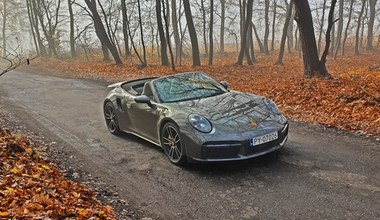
[
  {"x": 347, "y": 26},
  {"x": 266, "y": 34},
  {"x": 274, "y": 23},
  {"x": 251, "y": 44},
  {"x": 36, "y": 26},
  {"x": 47, "y": 28},
  {"x": 312, "y": 65},
  {"x": 134, "y": 48},
  {"x": 168, "y": 34},
  {"x": 163, "y": 44},
  {"x": 101, "y": 32},
  {"x": 284, "y": 34},
  {"x": 363, "y": 24},
  {"x": 261, "y": 46},
  {"x": 3, "y": 27},
  {"x": 321, "y": 27},
  {"x": 127, "y": 52},
  {"x": 340, "y": 29},
  {"x": 242, "y": 6},
  {"x": 222, "y": 24},
  {"x": 177, "y": 39},
  {"x": 192, "y": 33},
  {"x": 372, "y": 15},
  {"x": 144, "y": 64},
  {"x": 358, "y": 29},
  {"x": 72, "y": 37},
  {"x": 243, "y": 47},
  {"x": 204, "y": 27},
  {"x": 106, "y": 53},
  {"x": 31, "y": 21},
  {"x": 211, "y": 53},
  {"x": 328, "y": 33},
  {"x": 332, "y": 36},
  {"x": 291, "y": 34}
]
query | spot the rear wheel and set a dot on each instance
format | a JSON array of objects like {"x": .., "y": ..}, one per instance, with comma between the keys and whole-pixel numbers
[
  {"x": 172, "y": 144},
  {"x": 111, "y": 119}
]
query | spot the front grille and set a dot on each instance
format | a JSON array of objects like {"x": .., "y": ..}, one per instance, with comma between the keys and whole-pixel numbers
[
  {"x": 234, "y": 149},
  {"x": 220, "y": 149}
]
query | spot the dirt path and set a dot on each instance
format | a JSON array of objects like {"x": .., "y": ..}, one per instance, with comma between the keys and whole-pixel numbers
[{"x": 320, "y": 174}]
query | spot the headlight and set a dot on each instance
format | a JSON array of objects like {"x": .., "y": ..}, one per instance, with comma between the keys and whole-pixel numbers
[
  {"x": 272, "y": 107},
  {"x": 200, "y": 123},
  {"x": 281, "y": 119}
]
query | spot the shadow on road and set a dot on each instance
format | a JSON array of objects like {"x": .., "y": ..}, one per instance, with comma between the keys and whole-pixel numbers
[
  {"x": 266, "y": 163},
  {"x": 270, "y": 161}
]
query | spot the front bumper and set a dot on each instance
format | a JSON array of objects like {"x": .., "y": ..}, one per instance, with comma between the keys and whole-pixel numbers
[{"x": 214, "y": 151}]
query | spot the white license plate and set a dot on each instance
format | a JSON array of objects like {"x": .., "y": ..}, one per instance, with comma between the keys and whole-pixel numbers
[{"x": 263, "y": 139}]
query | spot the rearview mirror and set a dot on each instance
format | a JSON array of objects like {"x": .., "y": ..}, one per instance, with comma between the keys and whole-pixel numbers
[
  {"x": 224, "y": 84},
  {"x": 143, "y": 99}
]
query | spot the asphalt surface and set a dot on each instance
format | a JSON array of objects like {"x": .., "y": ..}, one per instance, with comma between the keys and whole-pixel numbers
[{"x": 319, "y": 174}]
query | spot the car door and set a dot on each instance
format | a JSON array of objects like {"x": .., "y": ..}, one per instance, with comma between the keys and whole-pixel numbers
[
  {"x": 144, "y": 119},
  {"x": 124, "y": 104}
]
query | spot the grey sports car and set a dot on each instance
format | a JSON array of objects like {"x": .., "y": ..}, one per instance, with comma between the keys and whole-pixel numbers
[{"x": 194, "y": 118}]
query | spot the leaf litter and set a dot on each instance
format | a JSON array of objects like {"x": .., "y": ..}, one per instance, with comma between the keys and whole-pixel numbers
[{"x": 33, "y": 188}]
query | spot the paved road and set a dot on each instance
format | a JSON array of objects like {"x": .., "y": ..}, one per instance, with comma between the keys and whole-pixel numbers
[{"x": 318, "y": 175}]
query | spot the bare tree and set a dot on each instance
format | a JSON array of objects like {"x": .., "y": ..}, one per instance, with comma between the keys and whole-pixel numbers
[
  {"x": 312, "y": 64},
  {"x": 5, "y": 16},
  {"x": 168, "y": 34},
  {"x": 72, "y": 37},
  {"x": 274, "y": 23},
  {"x": 211, "y": 54},
  {"x": 364, "y": 22},
  {"x": 266, "y": 33},
  {"x": 192, "y": 33},
  {"x": 321, "y": 26},
  {"x": 101, "y": 32},
  {"x": 261, "y": 46},
  {"x": 31, "y": 22},
  {"x": 347, "y": 26},
  {"x": 243, "y": 47},
  {"x": 144, "y": 63},
  {"x": 222, "y": 23},
  {"x": 358, "y": 28},
  {"x": 251, "y": 44},
  {"x": 163, "y": 44},
  {"x": 372, "y": 14},
  {"x": 203, "y": 9},
  {"x": 49, "y": 13},
  {"x": 177, "y": 39},
  {"x": 127, "y": 52},
  {"x": 33, "y": 11},
  {"x": 340, "y": 28},
  {"x": 284, "y": 33},
  {"x": 328, "y": 33},
  {"x": 14, "y": 58}
]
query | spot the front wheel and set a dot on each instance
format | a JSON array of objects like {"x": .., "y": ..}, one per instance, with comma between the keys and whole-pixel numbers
[
  {"x": 111, "y": 119},
  {"x": 172, "y": 144}
]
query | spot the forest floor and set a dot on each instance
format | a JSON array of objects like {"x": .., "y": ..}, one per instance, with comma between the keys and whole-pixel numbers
[
  {"x": 33, "y": 188},
  {"x": 349, "y": 101}
]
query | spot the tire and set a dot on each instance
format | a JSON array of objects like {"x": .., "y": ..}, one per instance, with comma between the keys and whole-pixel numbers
[
  {"x": 111, "y": 119},
  {"x": 172, "y": 144}
]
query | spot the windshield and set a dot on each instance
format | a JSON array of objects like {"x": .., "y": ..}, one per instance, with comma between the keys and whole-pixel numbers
[{"x": 187, "y": 86}]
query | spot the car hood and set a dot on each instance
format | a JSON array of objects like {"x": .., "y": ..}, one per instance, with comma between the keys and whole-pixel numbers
[{"x": 232, "y": 110}]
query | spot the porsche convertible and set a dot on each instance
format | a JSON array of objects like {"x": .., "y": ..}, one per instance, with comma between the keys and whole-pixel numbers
[{"x": 195, "y": 118}]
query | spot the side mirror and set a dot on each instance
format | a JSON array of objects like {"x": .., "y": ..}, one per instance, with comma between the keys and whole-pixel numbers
[
  {"x": 143, "y": 99},
  {"x": 224, "y": 84}
]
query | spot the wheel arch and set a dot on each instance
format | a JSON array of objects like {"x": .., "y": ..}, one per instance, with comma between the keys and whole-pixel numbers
[{"x": 162, "y": 124}]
